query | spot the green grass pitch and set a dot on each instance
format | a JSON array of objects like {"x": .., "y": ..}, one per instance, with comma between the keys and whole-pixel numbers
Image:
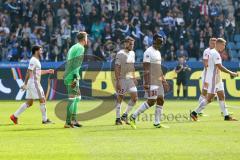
[{"x": 210, "y": 138}]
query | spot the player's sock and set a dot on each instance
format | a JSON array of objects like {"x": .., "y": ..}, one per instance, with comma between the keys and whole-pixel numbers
[
  {"x": 124, "y": 117},
  {"x": 129, "y": 107},
  {"x": 201, "y": 97},
  {"x": 220, "y": 105},
  {"x": 140, "y": 110},
  {"x": 69, "y": 110},
  {"x": 44, "y": 111},
  {"x": 158, "y": 113},
  {"x": 223, "y": 108},
  {"x": 20, "y": 110},
  {"x": 118, "y": 110},
  {"x": 75, "y": 109},
  {"x": 201, "y": 106}
]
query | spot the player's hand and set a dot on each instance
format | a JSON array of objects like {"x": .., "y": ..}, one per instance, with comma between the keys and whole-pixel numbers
[
  {"x": 51, "y": 71},
  {"x": 166, "y": 86},
  {"x": 234, "y": 74},
  {"x": 79, "y": 93},
  {"x": 146, "y": 87},
  {"x": 24, "y": 87},
  {"x": 73, "y": 84}
]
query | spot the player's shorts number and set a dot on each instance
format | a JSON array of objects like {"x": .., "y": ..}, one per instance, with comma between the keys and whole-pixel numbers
[
  {"x": 121, "y": 91},
  {"x": 152, "y": 93}
]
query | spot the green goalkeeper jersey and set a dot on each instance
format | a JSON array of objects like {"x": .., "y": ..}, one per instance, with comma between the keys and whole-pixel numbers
[{"x": 74, "y": 62}]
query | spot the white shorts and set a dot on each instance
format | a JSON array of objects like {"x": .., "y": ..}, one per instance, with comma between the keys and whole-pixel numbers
[
  {"x": 34, "y": 91},
  {"x": 154, "y": 92},
  {"x": 127, "y": 85},
  {"x": 214, "y": 88}
]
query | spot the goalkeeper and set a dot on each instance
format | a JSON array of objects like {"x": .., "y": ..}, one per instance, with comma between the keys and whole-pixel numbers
[{"x": 71, "y": 79}]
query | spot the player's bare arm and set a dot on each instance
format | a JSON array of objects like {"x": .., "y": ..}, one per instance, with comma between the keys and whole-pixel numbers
[
  {"x": 224, "y": 69},
  {"x": 134, "y": 77},
  {"x": 49, "y": 71},
  {"x": 117, "y": 76},
  {"x": 24, "y": 86},
  {"x": 205, "y": 63},
  {"x": 165, "y": 83},
  {"x": 146, "y": 75}
]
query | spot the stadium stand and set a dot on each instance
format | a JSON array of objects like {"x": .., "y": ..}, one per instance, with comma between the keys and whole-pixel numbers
[{"x": 185, "y": 24}]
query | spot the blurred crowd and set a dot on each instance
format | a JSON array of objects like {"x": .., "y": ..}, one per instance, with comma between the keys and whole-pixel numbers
[{"x": 186, "y": 26}]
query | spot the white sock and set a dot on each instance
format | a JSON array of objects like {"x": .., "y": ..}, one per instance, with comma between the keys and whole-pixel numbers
[
  {"x": 219, "y": 104},
  {"x": 201, "y": 106},
  {"x": 140, "y": 109},
  {"x": 158, "y": 113},
  {"x": 201, "y": 97},
  {"x": 44, "y": 111},
  {"x": 20, "y": 110},
  {"x": 223, "y": 108},
  {"x": 118, "y": 110},
  {"x": 129, "y": 107}
]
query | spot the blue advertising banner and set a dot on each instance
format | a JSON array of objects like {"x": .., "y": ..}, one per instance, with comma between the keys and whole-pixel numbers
[{"x": 98, "y": 80}]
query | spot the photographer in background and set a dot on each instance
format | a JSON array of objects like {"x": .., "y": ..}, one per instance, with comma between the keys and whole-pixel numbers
[{"x": 181, "y": 70}]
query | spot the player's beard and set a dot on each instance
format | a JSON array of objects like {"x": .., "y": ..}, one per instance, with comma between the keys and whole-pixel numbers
[
  {"x": 128, "y": 49},
  {"x": 157, "y": 46},
  {"x": 40, "y": 55}
]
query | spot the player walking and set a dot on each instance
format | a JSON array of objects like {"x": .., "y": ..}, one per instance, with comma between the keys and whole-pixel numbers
[
  {"x": 33, "y": 86},
  {"x": 212, "y": 44},
  {"x": 71, "y": 79},
  {"x": 125, "y": 79},
  {"x": 213, "y": 81},
  {"x": 154, "y": 82}
]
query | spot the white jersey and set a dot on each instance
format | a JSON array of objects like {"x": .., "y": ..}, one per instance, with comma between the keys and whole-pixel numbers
[
  {"x": 34, "y": 88},
  {"x": 153, "y": 56},
  {"x": 213, "y": 73},
  {"x": 126, "y": 61},
  {"x": 35, "y": 67}
]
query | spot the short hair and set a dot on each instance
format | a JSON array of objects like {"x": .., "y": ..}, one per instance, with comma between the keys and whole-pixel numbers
[
  {"x": 129, "y": 39},
  {"x": 213, "y": 39},
  {"x": 35, "y": 48},
  {"x": 157, "y": 37},
  {"x": 81, "y": 36},
  {"x": 221, "y": 40}
]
